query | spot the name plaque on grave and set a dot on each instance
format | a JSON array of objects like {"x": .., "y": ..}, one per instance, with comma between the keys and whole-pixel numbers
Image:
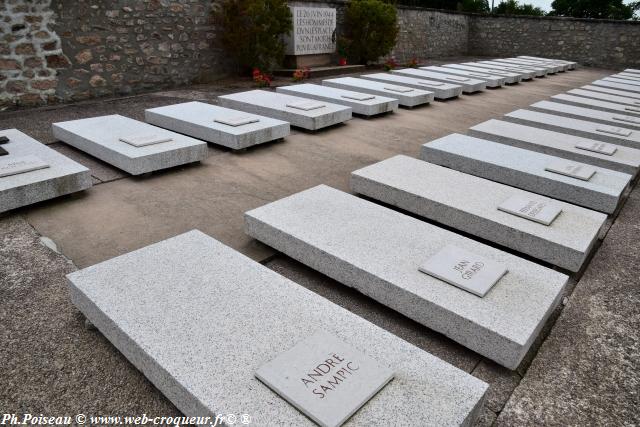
[
  {"x": 314, "y": 31},
  {"x": 144, "y": 140},
  {"x": 398, "y": 89},
  {"x": 429, "y": 83},
  {"x": 627, "y": 119},
  {"x": 325, "y": 378},
  {"x": 465, "y": 270},
  {"x": 535, "y": 210},
  {"x": 598, "y": 147},
  {"x": 20, "y": 165},
  {"x": 574, "y": 170},
  {"x": 457, "y": 79},
  {"x": 306, "y": 105},
  {"x": 614, "y": 130},
  {"x": 236, "y": 121},
  {"x": 358, "y": 97}
]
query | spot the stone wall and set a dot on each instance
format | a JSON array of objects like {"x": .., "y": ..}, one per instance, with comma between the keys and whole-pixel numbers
[
  {"x": 601, "y": 43},
  {"x": 68, "y": 50}
]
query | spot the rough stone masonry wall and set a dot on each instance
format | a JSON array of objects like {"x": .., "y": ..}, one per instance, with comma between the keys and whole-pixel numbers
[
  {"x": 600, "y": 43},
  {"x": 67, "y": 50}
]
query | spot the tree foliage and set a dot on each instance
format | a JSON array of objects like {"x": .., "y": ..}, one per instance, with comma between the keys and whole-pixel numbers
[
  {"x": 513, "y": 7},
  {"x": 599, "y": 9},
  {"x": 371, "y": 30},
  {"x": 476, "y": 6},
  {"x": 252, "y": 31}
]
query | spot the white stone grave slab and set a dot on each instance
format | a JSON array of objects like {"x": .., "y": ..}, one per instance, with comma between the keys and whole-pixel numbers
[
  {"x": 102, "y": 137},
  {"x": 546, "y": 62},
  {"x": 627, "y": 76},
  {"x": 510, "y": 78},
  {"x": 325, "y": 378},
  {"x": 612, "y": 134},
  {"x": 279, "y": 106},
  {"x": 530, "y": 170},
  {"x": 523, "y": 74},
  {"x": 590, "y": 114},
  {"x": 610, "y": 91},
  {"x": 31, "y": 172},
  {"x": 361, "y": 103},
  {"x": 469, "y": 85},
  {"x": 536, "y": 66},
  {"x": 381, "y": 258},
  {"x": 616, "y": 99},
  {"x": 632, "y": 83},
  {"x": 537, "y": 72},
  {"x": 222, "y": 126},
  {"x": 571, "y": 64},
  {"x": 632, "y": 70},
  {"x": 492, "y": 81},
  {"x": 557, "y": 68},
  {"x": 625, "y": 159},
  {"x": 440, "y": 90},
  {"x": 617, "y": 84},
  {"x": 406, "y": 96},
  {"x": 597, "y": 104},
  {"x": 143, "y": 302},
  {"x": 553, "y": 231}
]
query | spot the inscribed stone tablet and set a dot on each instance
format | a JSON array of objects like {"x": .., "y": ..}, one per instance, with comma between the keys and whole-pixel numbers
[
  {"x": 479, "y": 75},
  {"x": 14, "y": 166},
  {"x": 325, "y": 378},
  {"x": 458, "y": 79},
  {"x": 464, "y": 269},
  {"x": 430, "y": 83},
  {"x": 306, "y": 105},
  {"x": 144, "y": 140},
  {"x": 358, "y": 97},
  {"x": 398, "y": 89},
  {"x": 627, "y": 119},
  {"x": 614, "y": 130},
  {"x": 574, "y": 170},
  {"x": 535, "y": 210},
  {"x": 598, "y": 147},
  {"x": 236, "y": 121}
]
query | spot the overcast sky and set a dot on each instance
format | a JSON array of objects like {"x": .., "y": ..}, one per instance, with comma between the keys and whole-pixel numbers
[{"x": 544, "y": 4}]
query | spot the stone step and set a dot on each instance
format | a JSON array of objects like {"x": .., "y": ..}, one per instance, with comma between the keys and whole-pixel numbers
[
  {"x": 222, "y": 126},
  {"x": 440, "y": 90},
  {"x": 472, "y": 204},
  {"x": 406, "y": 96},
  {"x": 181, "y": 309},
  {"x": 149, "y": 149},
  {"x": 528, "y": 170},
  {"x": 622, "y": 159},
  {"x": 379, "y": 252},
  {"x": 323, "y": 71},
  {"x": 361, "y": 103},
  {"x": 619, "y": 135},
  {"x": 492, "y": 81},
  {"x": 300, "y": 112},
  {"x": 469, "y": 85},
  {"x": 31, "y": 172}
]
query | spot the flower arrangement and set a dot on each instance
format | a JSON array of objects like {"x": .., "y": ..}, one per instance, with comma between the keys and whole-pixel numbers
[
  {"x": 301, "y": 74},
  {"x": 390, "y": 64},
  {"x": 261, "y": 79},
  {"x": 412, "y": 63}
]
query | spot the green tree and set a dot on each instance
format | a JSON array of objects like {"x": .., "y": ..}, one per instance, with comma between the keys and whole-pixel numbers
[
  {"x": 371, "y": 30},
  {"x": 513, "y": 7},
  {"x": 476, "y": 6},
  {"x": 252, "y": 31},
  {"x": 597, "y": 9}
]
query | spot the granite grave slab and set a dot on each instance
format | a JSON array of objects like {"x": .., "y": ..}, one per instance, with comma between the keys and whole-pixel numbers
[
  {"x": 440, "y": 90},
  {"x": 632, "y": 83},
  {"x": 133, "y": 146},
  {"x": 616, "y": 99},
  {"x": 406, "y": 96},
  {"x": 361, "y": 103},
  {"x": 627, "y": 76},
  {"x": 555, "y": 67},
  {"x": 143, "y": 303},
  {"x": 550, "y": 230},
  {"x": 530, "y": 170},
  {"x": 571, "y": 65},
  {"x": 618, "y": 134},
  {"x": 576, "y": 148},
  {"x": 31, "y": 172},
  {"x": 521, "y": 73},
  {"x": 617, "y": 84},
  {"x": 299, "y": 111},
  {"x": 535, "y": 66},
  {"x": 597, "y": 104},
  {"x": 492, "y": 81},
  {"x": 510, "y": 77},
  {"x": 590, "y": 114},
  {"x": 378, "y": 252},
  {"x": 469, "y": 85},
  {"x": 537, "y": 72},
  {"x": 222, "y": 126},
  {"x": 610, "y": 91},
  {"x": 632, "y": 70}
]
